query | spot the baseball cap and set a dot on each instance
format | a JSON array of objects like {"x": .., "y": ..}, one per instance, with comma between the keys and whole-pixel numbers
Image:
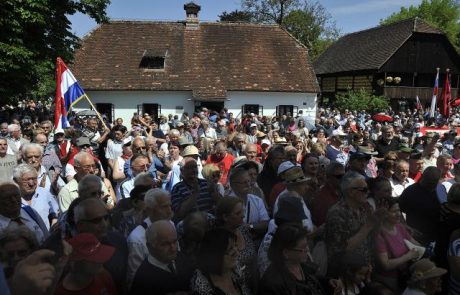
[
  {"x": 58, "y": 130},
  {"x": 253, "y": 125},
  {"x": 86, "y": 247},
  {"x": 359, "y": 155},
  {"x": 81, "y": 141},
  {"x": 284, "y": 166}
]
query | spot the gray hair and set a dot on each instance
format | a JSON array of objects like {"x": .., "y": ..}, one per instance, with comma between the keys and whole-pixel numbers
[
  {"x": 142, "y": 178},
  {"x": 79, "y": 157},
  {"x": 152, "y": 195},
  {"x": 151, "y": 233},
  {"x": 174, "y": 132},
  {"x": 29, "y": 146},
  {"x": 87, "y": 181},
  {"x": 13, "y": 127},
  {"x": 16, "y": 232},
  {"x": 22, "y": 169},
  {"x": 348, "y": 179},
  {"x": 79, "y": 212}
]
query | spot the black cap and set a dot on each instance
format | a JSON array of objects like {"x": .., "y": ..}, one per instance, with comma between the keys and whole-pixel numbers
[
  {"x": 359, "y": 155},
  {"x": 416, "y": 156}
]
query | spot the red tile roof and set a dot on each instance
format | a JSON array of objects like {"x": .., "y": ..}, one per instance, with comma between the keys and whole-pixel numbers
[{"x": 209, "y": 61}]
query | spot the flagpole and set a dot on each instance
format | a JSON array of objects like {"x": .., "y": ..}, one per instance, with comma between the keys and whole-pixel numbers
[{"x": 94, "y": 108}]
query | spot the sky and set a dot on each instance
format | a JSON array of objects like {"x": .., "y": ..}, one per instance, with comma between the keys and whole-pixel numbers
[{"x": 349, "y": 15}]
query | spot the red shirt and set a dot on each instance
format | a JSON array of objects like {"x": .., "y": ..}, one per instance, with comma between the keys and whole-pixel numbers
[
  {"x": 101, "y": 284},
  {"x": 223, "y": 164},
  {"x": 276, "y": 191},
  {"x": 327, "y": 197}
]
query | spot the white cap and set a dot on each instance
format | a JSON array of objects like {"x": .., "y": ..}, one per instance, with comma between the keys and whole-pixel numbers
[
  {"x": 265, "y": 141},
  {"x": 253, "y": 125},
  {"x": 286, "y": 165},
  {"x": 58, "y": 130}
]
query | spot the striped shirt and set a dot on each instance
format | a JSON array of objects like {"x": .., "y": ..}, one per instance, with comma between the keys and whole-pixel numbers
[{"x": 181, "y": 191}]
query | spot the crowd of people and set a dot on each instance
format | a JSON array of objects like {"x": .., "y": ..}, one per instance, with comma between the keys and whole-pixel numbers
[{"x": 208, "y": 203}]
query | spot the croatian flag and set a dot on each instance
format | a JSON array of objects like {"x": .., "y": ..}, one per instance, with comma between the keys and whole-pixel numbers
[
  {"x": 446, "y": 96},
  {"x": 435, "y": 94},
  {"x": 68, "y": 93},
  {"x": 418, "y": 104}
]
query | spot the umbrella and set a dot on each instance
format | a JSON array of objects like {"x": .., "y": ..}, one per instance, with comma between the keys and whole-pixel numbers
[
  {"x": 382, "y": 117},
  {"x": 87, "y": 113}
]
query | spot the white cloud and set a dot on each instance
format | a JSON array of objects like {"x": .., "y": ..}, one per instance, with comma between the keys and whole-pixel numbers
[{"x": 371, "y": 6}]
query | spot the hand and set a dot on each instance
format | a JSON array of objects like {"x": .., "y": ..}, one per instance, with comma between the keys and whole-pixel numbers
[
  {"x": 161, "y": 154},
  {"x": 413, "y": 254},
  {"x": 33, "y": 275}
]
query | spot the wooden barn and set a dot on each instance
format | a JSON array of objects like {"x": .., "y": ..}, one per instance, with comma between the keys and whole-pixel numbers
[{"x": 398, "y": 61}]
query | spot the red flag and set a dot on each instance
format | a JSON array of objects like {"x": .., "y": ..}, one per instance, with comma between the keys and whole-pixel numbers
[
  {"x": 418, "y": 104},
  {"x": 446, "y": 97}
]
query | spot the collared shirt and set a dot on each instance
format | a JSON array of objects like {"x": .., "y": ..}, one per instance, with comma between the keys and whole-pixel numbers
[
  {"x": 164, "y": 266},
  {"x": 44, "y": 203},
  {"x": 397, "y": 187},
  {"x": 70, "y": 192},
  {"x": 182, "y": 191},
  {"x": 137, "y": 247},
  {"x": 126, "y": 187},
  {"x": 32, "y": 223},
  {"x": 51, "y": 159}
]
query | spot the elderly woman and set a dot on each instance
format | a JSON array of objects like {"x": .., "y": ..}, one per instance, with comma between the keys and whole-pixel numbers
[
  {"x": 16, "y": 243},
  {"x": 425, "y": 278},
  {"x": 217, "y": 270},
  {"x": 288, "y": 272}
]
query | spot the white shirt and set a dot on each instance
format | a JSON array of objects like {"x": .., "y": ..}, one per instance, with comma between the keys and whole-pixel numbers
[
  {"x": 126, "y": 187},
  {"x": 137, "y": 249},
  {"x": 413, "y": 292},
  {"x": 114, "y": 149},
  {"x": 254, "y": 209},
  {"x": 44, "y": 203},
  {"x": 307, "y": 223},
  {"x": 397, "y": 187}
]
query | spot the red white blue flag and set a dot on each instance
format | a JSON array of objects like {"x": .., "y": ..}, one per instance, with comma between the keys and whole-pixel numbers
[
  {"x": 435, "y": 94},
  {"x": 68, "y": 93},
  {"x": 418, "y": 104}
]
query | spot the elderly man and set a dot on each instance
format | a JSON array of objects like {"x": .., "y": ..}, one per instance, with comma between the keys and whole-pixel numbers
[
  {"x": 387, "y": 143},
  {"x": 222, "y": 159},
  {"x": 237, "y": 148},
  {"x": 15, "y": 140},
  {"x": 94, "y": 136},
  {"x": 169, "y": 267},
  {"x": 91, "y": 216},
  {"x": 37, "y": 197},
  {"x": 400, "y": 179},
  {"x": 139, "y": 163},
  {"x": 192, "y": 193},
  {"x": 84, "y": 164},
  {"x": 157, "y": 207},
  {"x": 49, "y": 158},
  {"x": 421, "y": 205},
  {"x": 4, "y": 129},
  {"x": 139, "y": 147},
  {"x": 47, "y": 126},
  {"x": 7, "y": 162},
  {"x": 350, "y": 222},
  {"x": 13, "y": 212}
]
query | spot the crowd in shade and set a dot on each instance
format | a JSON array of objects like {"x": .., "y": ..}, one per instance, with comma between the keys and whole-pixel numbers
[{"x": 208, "y": 203}]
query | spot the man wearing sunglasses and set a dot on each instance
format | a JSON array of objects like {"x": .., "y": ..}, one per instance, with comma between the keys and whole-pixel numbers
[{"x": 350, "y": 222}]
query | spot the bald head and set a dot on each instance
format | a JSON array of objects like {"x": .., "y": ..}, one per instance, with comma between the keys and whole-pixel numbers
[{"x": 161, "y": 239}]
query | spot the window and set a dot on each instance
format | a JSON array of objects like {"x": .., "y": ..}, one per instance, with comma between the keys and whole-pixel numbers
[
  {"x": 153, "y": 109},
  {"x": 106, "y": 109},
  {"x": 285, "y": 109},
  {"x": 153, "y": 62},
  {"x": 252, "y": 108}
]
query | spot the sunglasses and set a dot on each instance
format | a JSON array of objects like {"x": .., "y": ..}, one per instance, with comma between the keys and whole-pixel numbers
[{"x": 97, "y": 220}]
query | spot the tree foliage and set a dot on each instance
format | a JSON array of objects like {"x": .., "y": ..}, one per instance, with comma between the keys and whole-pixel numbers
[
  {"x": 361, "y": 100},
  {"x": 32, "y": 34},
  {"x": 442, "y": 14},
  {"x": 309, "y": 22},
  {"x": 236, "y": 16}
]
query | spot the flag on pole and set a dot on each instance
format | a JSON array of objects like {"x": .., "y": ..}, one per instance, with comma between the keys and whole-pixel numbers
[
  {"x": 68, "y": 93},
  {"x": 418, "y": 104},
  {"x": 446, "y": 96},
  {"x": 435, "y": 94}
]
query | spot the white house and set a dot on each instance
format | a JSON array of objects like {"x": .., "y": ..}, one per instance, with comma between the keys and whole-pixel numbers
[{"x": 129, "y": 67}]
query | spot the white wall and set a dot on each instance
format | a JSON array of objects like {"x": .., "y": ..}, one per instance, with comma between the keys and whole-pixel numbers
[
  {"x": 126, "y": 102},
  {"x": 269, "y": 100}
]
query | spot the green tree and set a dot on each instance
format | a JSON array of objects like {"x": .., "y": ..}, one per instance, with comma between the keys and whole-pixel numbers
[
  {"x": 307, "y": 21},
  {"x": 361, "y": 100},
  {"x": 32, "y": 34},
  {"x": 236, "y": 16},
  {"x": 442, "y": 14}
]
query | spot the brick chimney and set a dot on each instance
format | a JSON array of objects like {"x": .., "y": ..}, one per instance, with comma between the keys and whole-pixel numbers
[{"x": 191, "y": 12}]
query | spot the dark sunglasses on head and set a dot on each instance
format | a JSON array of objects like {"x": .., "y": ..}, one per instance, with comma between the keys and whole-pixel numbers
[{"x": 97, "y": 220}]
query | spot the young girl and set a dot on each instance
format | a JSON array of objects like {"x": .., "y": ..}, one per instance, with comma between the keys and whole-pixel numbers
[{"x": 355, "y": 274}]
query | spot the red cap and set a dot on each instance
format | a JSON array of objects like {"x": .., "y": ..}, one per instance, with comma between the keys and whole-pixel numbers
[{"x": 86, "y": 247}]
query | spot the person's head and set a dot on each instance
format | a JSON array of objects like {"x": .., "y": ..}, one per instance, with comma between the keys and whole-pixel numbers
[
  {"x": 10, "y": 200},
  {"x": 25, "y": 176},
  {"x": 310, "y": 164},
  {"x": 139, "y": 164},
  {"x": 444, "y": 163},
  {"x": 84, "y": 164},
  {"x": 3, "y": 146},
  {"x": 211, "y": 173},
  {"x": 14, "y": 130},
  {"x": 189, "y": 170},
  {"x": 218, "y": 252},
  {"x": 157, "y": 204},
  {"x": 91, "y": 216},
  {"x": 46, "y": 126},
  {"x": 173, "y": 135},
  {"x": 358, "y": 162},
  {"x": 220, "y": 150},
  {"x": 430, "y": 178},
  {"x": 4, "y": 129},
  {"x": 88, "y": 254},
  {"x": 161, "y": 238},
  {"x": 453, "y": 196},
  {"x": 92, "y": 123},
  {"x": 174, "y": 150},
  {"x": 291, "y": 153},
  {"x": 290, "y": 210},
  {"x": 229, "y": 212},
  {"x": 393, "y": 215},
  {"x": 425, "y": 276},
  {"x": 336, "y": 141},
  {"x": 16, "y": 243},
  {"x": 416, "y": 163},
  {"x": 138, "y": 146},
  {"x": 379, "y": 188},
  {"x": 118, "y": 132},
  {"x": 32, "y": 154},
  {"x": 90, "y": 186},
  {"x": 250, "y": 151},
  {"x": 354, "y": 188},
  {"x": 353, "y": 268},
  {"x": 41, "y": 139},
  {"x": 401, "y": 170},
  {"x": 387, "y": 132},
  {"x": 276, "y": 155},
  {"x": 289, "y": 246},
  {"x": 334, "y": 173},
  {"x": 119, "y": 121},
  {"x": 240, "y": 182}
]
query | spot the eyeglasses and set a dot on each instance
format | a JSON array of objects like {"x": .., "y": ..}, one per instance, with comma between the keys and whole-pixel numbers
[
  {"x": 361, "y": 189},
  {"x": 140, "y": 148},
  {"x": 97, "y": 220}
]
